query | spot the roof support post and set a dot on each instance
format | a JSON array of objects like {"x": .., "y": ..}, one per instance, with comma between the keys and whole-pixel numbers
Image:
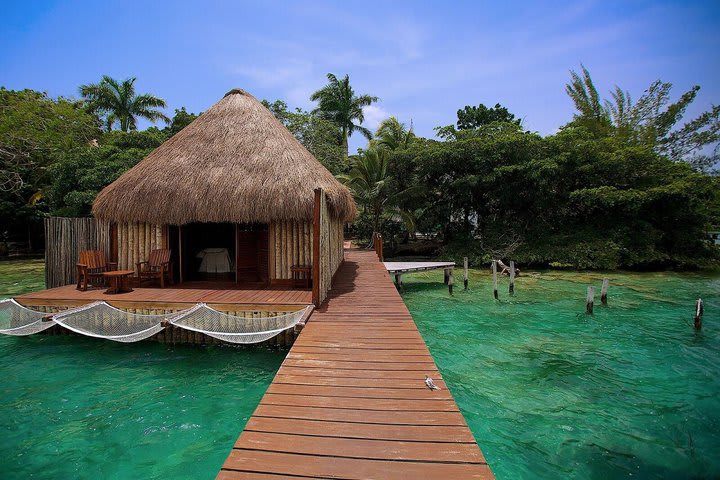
[{"x": 316, "y": 249}]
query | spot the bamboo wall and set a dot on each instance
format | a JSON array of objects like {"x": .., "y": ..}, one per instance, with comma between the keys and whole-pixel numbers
[
  {"x": 64, "y": 239},
  {"x": 290, "y": 244},
  {"x": 135, "y": 242},
  {"x": 331, "y": 247}
]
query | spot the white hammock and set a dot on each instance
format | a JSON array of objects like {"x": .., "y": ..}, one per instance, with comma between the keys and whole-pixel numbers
[
  {"x": 231, "y": 328},
  {"x": 100, "y": 320},
  {"x": 16, "y": 319}
]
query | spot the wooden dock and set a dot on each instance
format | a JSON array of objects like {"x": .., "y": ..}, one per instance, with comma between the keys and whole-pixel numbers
[
  {"x": 350, "y": 400},
  {"x": 408, "y": 267}
]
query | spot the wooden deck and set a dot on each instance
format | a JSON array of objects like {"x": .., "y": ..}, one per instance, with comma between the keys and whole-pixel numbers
[
  {"x": 350, "y": 400},
  {"x": 170, "y": 297}
]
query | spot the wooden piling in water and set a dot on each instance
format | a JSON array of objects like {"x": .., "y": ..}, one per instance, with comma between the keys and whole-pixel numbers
[
  {"x": 465, "y": 272},
  {"x": 512, "y": 277},
  {"x": 699, "y": 310},
  {"x": 494, "y": 279},
  {"x": 604, "y": 290},
  {"x": 450, "y": 283},
  {"x": 590, "y": 300},
  {"x": 398, "y": 280}
]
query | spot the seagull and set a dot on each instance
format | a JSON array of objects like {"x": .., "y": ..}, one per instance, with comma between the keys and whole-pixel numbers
[{"x": 430, "y": 384}]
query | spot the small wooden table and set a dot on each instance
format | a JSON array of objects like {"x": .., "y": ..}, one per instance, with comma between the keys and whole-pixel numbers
[
  {"x": 301, "y": 275},
  {"x": 119, "y": 281}
]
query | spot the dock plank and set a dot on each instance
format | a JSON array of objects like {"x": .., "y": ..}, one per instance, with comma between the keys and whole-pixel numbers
[{"x": 350, "y": 400}]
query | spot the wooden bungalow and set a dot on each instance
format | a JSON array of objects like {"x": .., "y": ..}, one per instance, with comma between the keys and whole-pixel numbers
[{"x": 236, "y": 198}]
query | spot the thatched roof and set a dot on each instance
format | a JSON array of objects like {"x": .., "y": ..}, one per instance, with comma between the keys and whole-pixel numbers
[{"x": 235, "y": 163}]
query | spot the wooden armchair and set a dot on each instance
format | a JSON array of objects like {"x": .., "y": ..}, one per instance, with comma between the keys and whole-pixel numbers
[
  {"x": 90, "y": 267},
  {"x": 158, "y": 265}
]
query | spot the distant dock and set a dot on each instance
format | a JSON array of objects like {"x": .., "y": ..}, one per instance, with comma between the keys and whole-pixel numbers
[{"x": 407, "y": 267}]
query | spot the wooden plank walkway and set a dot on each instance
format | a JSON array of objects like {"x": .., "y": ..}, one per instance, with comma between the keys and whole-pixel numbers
[
  {"x": 350, "y": 400},
  {"x": 68, "y": 295}
]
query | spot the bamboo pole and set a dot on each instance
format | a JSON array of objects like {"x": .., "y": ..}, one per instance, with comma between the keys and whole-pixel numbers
[
  {"x": 699, "y": 310},
  {"x": 512, "y": 277},
  {"x": 604, "y": 291},
  {"x": 494, "y": 279},
  {"x": 465, "y": 272}
]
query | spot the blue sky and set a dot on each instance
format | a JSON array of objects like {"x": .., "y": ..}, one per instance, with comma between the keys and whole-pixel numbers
[{"x": 423, "y": 59}]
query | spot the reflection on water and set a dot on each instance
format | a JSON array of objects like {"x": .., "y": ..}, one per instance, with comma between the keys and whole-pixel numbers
[{"x": 549, "y": 392}]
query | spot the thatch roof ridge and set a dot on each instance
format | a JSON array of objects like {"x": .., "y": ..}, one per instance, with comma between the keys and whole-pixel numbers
[{"x": 235, "y": 163}]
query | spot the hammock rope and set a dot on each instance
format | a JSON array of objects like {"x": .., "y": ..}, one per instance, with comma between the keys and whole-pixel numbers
[
  {"x": 101, "y": 320},
  {"x": 15, "y": 319}
]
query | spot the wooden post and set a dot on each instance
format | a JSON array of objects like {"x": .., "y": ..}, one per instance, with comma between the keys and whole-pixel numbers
[
  {"x": 465, "y": 272},
  {"x": 590, "y": 300},
  {"x": 604, "y": 290},
  {"x": 494, "y": 279},
  {"x": 450, "y": 282},
  {"x": 699, "y": 310},
  {"x": 512, "y": 277},
  {"x": 316, "y": 250},
  {"x": 446, "y": 273}
]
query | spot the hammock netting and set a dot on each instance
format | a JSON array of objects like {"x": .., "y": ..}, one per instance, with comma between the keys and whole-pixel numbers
[
  {"x": 18, "y": 320},
  {"x": 101, "y": 320},
  {"x": 230, "y": 328}
]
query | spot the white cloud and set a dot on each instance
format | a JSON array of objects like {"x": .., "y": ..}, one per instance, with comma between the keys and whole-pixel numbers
[{"x": 373, "y": 116}]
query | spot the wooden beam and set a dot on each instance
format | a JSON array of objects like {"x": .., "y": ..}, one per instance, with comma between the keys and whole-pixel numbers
[{"x": 316, "y": 249}]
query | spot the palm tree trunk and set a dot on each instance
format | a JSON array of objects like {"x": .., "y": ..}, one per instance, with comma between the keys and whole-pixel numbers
[{"x": 345, "y": 142}]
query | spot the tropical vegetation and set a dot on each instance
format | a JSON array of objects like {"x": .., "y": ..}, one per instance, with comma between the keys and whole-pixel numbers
[{"x": 625, "y": 183}]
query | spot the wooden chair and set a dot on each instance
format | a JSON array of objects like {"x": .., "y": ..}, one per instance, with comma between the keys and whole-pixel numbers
[
  {"x": 158, "y": 265},
  {"x": 90, "y": 267}
]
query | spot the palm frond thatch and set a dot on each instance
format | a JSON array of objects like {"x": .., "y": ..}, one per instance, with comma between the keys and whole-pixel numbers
[{"x": 235, "y": 163}]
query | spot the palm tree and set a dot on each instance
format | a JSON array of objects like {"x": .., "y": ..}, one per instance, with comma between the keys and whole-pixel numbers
[
  {"x": 118, "y": 102},
  {"x": 338, "y": 103},
  {"x": 591, "y": 111},
  {"x": 393, "y": 135},
  {"x": 372, "y": 187}
]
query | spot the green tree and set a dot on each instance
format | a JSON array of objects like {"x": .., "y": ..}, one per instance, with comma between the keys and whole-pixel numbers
[
  {"x": 338, "y": 103},
  {"x": 652, "y": 121},
  {"x": 393, "y": 135},
  {"x": 117, "y": 102},
  {"x": 180, "y": 120},
  {"x": 474, "y": 117},
  {"x": 80, "y": 173},
  {"x": 373, "y": 188},
  {"x": 320, "y": 136},
  {"x": 35, "y": 131}
]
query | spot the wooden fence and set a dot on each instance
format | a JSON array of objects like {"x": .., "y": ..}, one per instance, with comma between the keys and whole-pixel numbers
[{"x": 64, "y": 239}]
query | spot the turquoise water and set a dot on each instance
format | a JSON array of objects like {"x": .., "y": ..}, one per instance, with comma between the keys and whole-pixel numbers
[
  {"x": 550, "y": 392},
  {"x": 74, "y": 407}
]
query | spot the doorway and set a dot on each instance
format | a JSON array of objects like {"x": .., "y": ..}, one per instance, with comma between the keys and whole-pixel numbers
[{"x": 226, "y": 255}]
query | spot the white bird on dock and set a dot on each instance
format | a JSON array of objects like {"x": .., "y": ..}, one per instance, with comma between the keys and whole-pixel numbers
[{"x": 430, "y": 384}]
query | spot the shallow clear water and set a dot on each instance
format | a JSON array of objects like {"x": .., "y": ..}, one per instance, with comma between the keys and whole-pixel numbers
[
  {"x": 76, "y": 407},
  {"x": 549, "y": 392},
  {"x": 73, "y": 407}
]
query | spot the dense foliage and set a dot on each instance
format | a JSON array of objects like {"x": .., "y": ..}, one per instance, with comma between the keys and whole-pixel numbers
[{"x": 622, "y": 184}]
